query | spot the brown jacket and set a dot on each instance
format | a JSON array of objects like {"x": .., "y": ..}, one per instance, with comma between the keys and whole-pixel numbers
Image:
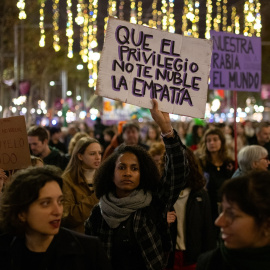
[{"x": 79, "y": 202}]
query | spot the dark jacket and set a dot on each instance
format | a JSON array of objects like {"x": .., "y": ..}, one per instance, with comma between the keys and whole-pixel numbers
[
  {"x": 200, "y": 236},
  {"x": 150, "y": 223},
  {"x": 68, "y": 250},
  {"x": 56, "y": 158},
  {"x": 212, "y": 260},
  {"x": 224, "y": 258},
  {"x": 215, "y": 177}
]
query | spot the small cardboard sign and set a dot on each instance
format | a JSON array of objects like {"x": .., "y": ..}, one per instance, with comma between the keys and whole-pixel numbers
[
  {"x": 139, "y": 63},
  {"x": 236, "y": 62},
  {"x": 14, "y": 148}
]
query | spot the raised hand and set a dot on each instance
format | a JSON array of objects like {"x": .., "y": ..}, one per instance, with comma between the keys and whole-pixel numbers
[{"x": 162, "y": 119}]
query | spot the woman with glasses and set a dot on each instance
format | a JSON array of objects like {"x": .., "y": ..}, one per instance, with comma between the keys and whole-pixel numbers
[
  {"x": 251, "y": 157},
  {"x": 244, "y": 222}
]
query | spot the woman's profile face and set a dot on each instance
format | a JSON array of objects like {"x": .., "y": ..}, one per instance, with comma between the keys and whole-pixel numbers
[
  {"x": 213, "y": 143},
  {"x": 152, "y": 134},
  {"x": 91, "y": 157},
  {"x": 238, "y": 229},
  {"x": 43, "y": 216},
  {"x": 261, "y": 164},
  {"x": 126, "y": 174}
]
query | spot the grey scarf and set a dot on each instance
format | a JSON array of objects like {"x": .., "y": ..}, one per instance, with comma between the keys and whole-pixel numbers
[{"x": 116, "y": 210}]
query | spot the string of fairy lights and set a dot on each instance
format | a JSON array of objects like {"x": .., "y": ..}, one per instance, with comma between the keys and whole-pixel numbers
[
  {"x": 161, "y": 18},
  {"x": 56, "y": 39},
  {"x": 41, "y": 24}
]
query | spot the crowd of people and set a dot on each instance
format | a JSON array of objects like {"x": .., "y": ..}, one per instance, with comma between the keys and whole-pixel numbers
[{"x": 154, "y": 196}]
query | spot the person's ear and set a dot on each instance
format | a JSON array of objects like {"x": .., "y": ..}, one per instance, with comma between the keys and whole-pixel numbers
[
  {"x": 46, "y": 141},
  {"x": 79, "y": 156},
  {"x": 22, "y": 216},
  {"x": 266, "y": 228},
  {"x": 254, "y": 164}
]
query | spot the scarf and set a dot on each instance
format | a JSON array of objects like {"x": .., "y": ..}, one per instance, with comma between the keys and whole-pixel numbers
[
  {"x": 247, "y": 258},
  {"x": 116, "y": 210}
]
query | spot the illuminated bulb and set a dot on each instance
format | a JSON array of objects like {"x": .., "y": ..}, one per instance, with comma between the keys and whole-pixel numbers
[{"x": 79, "y": 20}]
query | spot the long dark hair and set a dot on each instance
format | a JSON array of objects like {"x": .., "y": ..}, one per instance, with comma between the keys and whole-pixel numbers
[
  {"x": 223, "y": 152},
  {"x": 195, "y": 179}
]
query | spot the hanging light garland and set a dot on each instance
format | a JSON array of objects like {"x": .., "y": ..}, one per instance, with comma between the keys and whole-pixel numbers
[
  {"x": 140, "y": 13},
  {"x": 84, "y": 34},
  {"x": 93, "y": 57},
  {"x": 258, "y": 20},
  {"x": 153, "y": 22},
  {"x": 209, "y": 10},
  {"x": 184, "y": 18},
  {"x": 231, "y": 27},
  {"x": 252, "y": 18},
  {"x": 190, "y": 18},
  {"x": 121, "y": 10},
  {"x": 237, "y": 24},
  {"x": 111, "y": 12},
  {"x": 41, "y": 24},
  {"x": 69, "y": 29},
  {"x": 56, "y": 39},
  {"x": 164, "y": 15},
  {"x": 21, "y": 7},
  {"x": 195, "y": 24},
  {"x": 217, "y": 19},
  {"x": 171, "y": 17},
  {"x": 80, "y": 16},
  {"x": 133, "y": 13},
  {"x": 225, "y": 15}
]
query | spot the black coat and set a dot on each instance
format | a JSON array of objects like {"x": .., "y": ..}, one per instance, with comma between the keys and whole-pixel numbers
[
  {"x": 200, "y": 234},
  {"x": 68, "y": 250}
]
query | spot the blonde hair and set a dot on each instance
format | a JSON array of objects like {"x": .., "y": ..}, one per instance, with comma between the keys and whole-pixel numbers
[{"x": 74, "y": 140}]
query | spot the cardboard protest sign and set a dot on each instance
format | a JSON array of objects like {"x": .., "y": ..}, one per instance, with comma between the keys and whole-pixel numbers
[
  {"x": 236, "y": 62},
  {"x": 14, "y": 148},
  {"x": 139, "y": 63}
]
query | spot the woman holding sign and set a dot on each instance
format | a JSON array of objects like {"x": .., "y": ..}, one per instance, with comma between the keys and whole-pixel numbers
[{"x": 131, "y": 217}]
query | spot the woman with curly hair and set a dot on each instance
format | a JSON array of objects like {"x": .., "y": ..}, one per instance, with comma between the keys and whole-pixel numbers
[
  {"x": 216, "y": 164},
  {"x": 131, "y": 217}
]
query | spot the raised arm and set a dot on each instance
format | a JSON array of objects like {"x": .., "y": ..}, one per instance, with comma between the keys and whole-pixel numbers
[
  {"x": 163, "y": 120},
  {"x": 176, "y": 167}
]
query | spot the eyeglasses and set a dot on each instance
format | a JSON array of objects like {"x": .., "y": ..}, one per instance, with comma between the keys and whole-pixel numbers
[
  {"x": 266, "y": 158},
  {"x": 228, "y": 214}
]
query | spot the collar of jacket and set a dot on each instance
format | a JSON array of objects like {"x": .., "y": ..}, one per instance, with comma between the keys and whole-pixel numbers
[{"x": 64, "y": 243}]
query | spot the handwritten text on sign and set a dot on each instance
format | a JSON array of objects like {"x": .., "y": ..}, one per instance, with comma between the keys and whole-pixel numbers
[
  {"x": 14, "y": 148},
  {"x": 236, "y": 62},
  {"x": 139, "y": 63}
]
